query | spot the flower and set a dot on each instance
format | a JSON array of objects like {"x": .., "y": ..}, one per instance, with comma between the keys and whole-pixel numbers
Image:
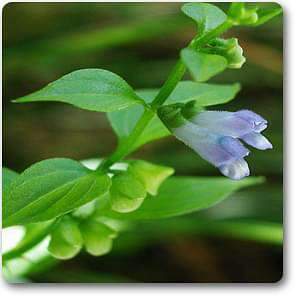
[{"x": 216, "y": 136}]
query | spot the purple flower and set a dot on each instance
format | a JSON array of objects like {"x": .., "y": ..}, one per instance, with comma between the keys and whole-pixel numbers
[{"x": 216, "y": 136}]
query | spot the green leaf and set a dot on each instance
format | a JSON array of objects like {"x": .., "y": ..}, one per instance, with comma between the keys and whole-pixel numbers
[
  {"x": 203, "y": 66},
  {"x": 206, "y": 94},
  {"x": 183, "y": 195},
  {"x": 51, "y": 188},
  {"x": 207, "y": 16},
  {"x": 91, "y": 89},
  {"x": 266, "y": 14},
  {"x": 8, "y": 176}
]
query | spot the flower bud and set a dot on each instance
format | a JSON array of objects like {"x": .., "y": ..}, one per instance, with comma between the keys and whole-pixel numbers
[
  {"x": 241, "y": 15},
  {"x": 127, "y": 193},
  {"x": 230, "y": 49},
  {"x": 97, "y": 237},
  {"x": 149, "y": 174},
  {"x": 66, "y": 239}
]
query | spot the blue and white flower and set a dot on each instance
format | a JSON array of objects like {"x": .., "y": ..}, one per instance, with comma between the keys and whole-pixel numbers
[{"x": 216, "y": 136}]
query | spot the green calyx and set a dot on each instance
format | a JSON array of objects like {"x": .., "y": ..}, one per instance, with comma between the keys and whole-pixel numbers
[
  {"x": 191, "y": 109},
  {"x": 127, "y": 193},
  {"x": 171, "y": 115},
  {"x": 230, "y": 49},
  {"x": 150, "y": 175},
  {"x": 97, "y": 237},
  {"x": 66, "y": 240}
]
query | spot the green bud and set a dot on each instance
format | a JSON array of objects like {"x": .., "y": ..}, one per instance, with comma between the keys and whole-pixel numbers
[
  {"x": 241, "y": 15},
  {"x": 230, "y": 49},
  {"x": 97, "y": 237},
  {"x": 171, "y": 115},
  {"x": 66, "y": 239},
  {"x": 127, "y": 193},
  {"x": 149, "y": 174}
]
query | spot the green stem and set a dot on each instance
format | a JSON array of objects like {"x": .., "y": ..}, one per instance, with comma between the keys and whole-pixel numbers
[{"x": 126, "y": 146}]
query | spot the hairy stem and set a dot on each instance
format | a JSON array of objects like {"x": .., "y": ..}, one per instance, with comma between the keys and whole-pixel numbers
[{"x": 126, "y": 146}]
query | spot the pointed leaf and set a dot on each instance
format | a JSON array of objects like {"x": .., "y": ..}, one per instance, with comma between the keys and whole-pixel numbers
[
  {"x": 91, "y": 89},
  {"x": 183, "y": 195},
  {"x": 206, "y": 15},
  {"x": 203, "y": 66}
]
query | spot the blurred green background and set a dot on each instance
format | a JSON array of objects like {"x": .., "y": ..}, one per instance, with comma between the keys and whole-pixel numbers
[{"x": 141, "y": 42}]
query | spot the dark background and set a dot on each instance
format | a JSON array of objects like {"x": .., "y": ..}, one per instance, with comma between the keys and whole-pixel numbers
[{"x": 141, "y": 42}]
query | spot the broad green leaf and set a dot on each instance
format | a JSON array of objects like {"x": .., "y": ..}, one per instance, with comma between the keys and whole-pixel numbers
[
  {"x": 207, "y": 16},
  {"x": 51, "y": 188},
  {"x": 203, "y": 66},
  {"x": 183, "y": 195},
  {"x": 205, "y": 94},
  {"x": 91, "y": 89},
  {"x": 8, "y": 176}
]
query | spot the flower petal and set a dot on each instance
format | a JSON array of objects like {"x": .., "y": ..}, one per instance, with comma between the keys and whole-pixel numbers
[
  {"x": 257, "y": 140},
  {"x": 223, "y": 123},
  {"x": 257, "y": 122},
  {"x": 233, "y": 146},
  {"x": 205, "y": 143},
  {"x": 235, "y": 170}
]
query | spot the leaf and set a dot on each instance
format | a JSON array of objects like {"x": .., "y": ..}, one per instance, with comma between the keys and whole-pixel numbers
[
  {"x": 183, "y": 195},
  {"x": 8, "y": 176},
  {"x": 207, "y": 16},
  {"x": 206, "y": 94},
  {"x": 203, "y": 66},
  {"x": 266, "y": 14},
  {"x": 91, "y": 89},
  {"x": 51, "y": 188}
]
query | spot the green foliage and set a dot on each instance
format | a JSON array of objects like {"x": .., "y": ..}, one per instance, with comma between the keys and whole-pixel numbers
[
  {"x": 266, "y": 14},
  {"x": 51, "y": 188},
  {"x": 182, "y": 195},
  {"x": 151, "y": 175},
  {"x": 230, "y": 49},
  {"x": 250, "y": 15},
  {"x": 8, "y": 176},
  {"x": 91, "y": 89},
  {"x": 203, "y": 66},
  {"x": 127, "y": 192},
  {"x": 97, "y": 237},
  {"x": 34, "y": 234},
  {"x": 66, "y": 240},
  {"x": 204, "y": 93},
  {"x": 207, "y": 16}
]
